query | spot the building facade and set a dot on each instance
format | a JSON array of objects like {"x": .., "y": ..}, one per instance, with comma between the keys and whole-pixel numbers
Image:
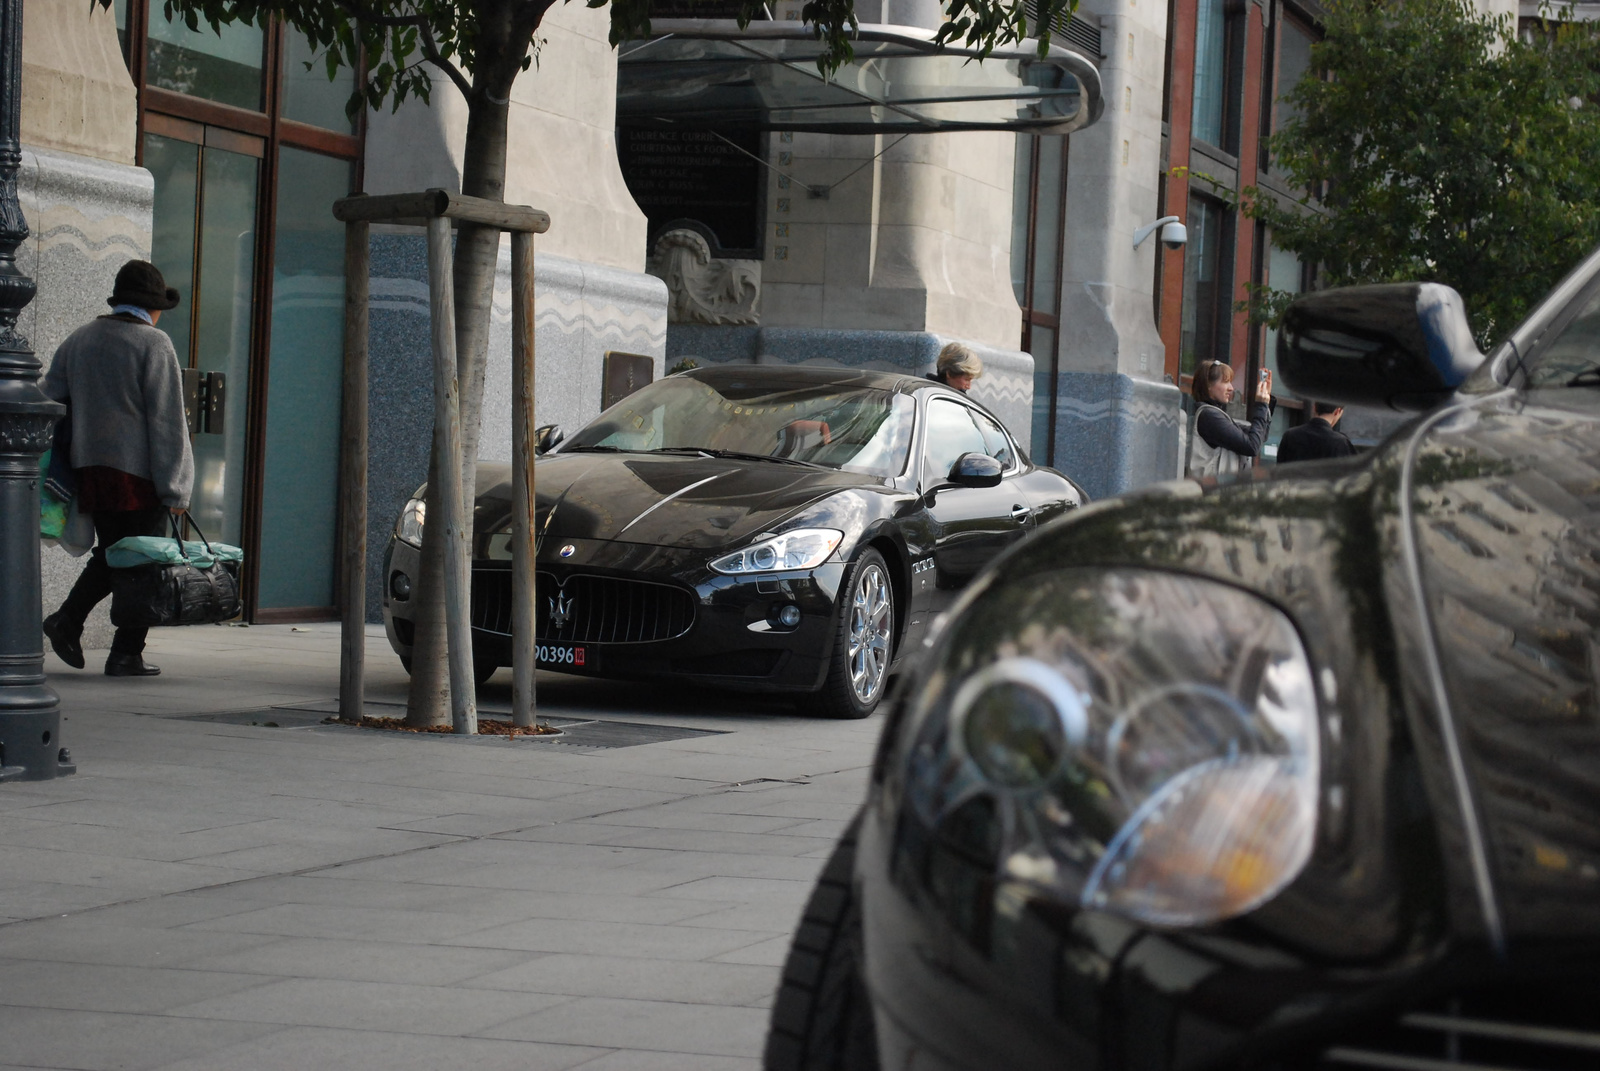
[{"x": 219, "y": 156}]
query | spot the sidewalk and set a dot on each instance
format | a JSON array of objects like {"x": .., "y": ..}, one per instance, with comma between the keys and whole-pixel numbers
[{"x": 209, "y": 893}]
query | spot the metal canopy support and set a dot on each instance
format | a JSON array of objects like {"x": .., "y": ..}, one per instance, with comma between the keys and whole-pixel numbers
[{"x": 436, "y": 209}]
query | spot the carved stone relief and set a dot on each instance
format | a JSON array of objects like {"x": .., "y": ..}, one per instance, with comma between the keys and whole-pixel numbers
[{"x": 702, "y": 289}]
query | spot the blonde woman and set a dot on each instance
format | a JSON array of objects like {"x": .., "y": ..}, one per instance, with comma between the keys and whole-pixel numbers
[{"x": 957, "y": 367}]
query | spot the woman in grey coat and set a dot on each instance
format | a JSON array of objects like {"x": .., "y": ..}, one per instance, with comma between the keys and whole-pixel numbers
[{"x": 120, "y": 378}]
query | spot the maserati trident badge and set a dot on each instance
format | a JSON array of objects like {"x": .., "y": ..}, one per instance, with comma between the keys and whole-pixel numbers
[{"x": 560, "y": 611}]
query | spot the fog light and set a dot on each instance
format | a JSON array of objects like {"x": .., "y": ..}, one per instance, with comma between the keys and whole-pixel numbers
[
  {"x": 789, "y": 616},
  {"x": 400, "y": 586}
]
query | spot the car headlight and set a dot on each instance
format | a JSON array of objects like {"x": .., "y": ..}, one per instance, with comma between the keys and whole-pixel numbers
[
  {"x": 803, "y": 548},
  {"x": 1134, "y": 741},
  {"x": 409, "y": 526}
]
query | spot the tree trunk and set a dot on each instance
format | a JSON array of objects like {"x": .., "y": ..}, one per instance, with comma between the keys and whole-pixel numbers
[{"x": 477, "y": 254}]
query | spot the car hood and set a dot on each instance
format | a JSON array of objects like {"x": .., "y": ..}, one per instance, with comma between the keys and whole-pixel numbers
[
  {"x": 1505, "y": 513},
  {"x": 669, "y": 501}
]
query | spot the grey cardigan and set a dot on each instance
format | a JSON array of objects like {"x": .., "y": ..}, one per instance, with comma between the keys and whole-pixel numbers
[{"x": 122, "y": 381}]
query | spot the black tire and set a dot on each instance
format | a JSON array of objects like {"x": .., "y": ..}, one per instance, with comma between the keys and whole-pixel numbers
[
  {"x": 822, "y": 1017},
  {"x": 840, "y": 696}
]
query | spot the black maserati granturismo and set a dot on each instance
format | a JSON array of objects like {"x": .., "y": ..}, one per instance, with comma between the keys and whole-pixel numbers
[
  {"x": 1300, "y": 771},
  {"x": 765, "y": 528}
]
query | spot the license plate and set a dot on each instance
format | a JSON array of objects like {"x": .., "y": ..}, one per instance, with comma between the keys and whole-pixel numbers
[{"x": 564, "y": 656}]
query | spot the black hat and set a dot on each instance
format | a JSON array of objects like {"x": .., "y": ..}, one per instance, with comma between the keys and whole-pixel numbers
[{"x": 139, "y": 282}]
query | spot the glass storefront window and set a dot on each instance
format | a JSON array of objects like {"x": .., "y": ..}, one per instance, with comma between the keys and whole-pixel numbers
[
  {"x": 1042, "y": 345},
  {"x": 1283, "y": 273},
  {"x": 119, "y": 10},
  {"x": 226, "y": 286},
  {"x": 1047, "y": 225},
  {"x": 225, "y": 67},
  {"x": 1038, "y": 202},
  {"x": 300, "y": 495},
  {"x": 1021, "y": 200},
  {"x": 175, "y": 165},
  {"x": 204, "y": 242},
  {"x": 1210, "y": 72},
  {"x": 1294, "y": 60},
  {"x": 1201, "y": 279},
  {"x": 308, "y": 95}
]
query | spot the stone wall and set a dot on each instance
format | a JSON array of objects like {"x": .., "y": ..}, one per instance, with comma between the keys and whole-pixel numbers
[
  {"x": 561, "y": 152},
  {"x": 1117, "y": 421},
  {"x": 77, "y": 96},
  {"x": 918, "y": 239}
]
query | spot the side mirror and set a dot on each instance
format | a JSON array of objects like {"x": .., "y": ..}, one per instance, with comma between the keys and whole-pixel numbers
[
  {"x": 546, "y": 438},
  {"x": 976, "y": 470},
  {"x": 1398, "y": 345}
]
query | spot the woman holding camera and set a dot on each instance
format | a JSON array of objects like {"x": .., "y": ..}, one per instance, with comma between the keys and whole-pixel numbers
[{"x": 1218, "y": 444}]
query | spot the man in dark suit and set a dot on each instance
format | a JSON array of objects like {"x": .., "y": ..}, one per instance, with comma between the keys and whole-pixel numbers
[{"x": 1317, "y": 438}]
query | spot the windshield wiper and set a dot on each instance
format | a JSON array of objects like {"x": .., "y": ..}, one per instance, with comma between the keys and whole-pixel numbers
[
  {"x": 590, "y": 449},
  {"x": 735, "y": 455},
  {"x": 1589, "y": 377}
]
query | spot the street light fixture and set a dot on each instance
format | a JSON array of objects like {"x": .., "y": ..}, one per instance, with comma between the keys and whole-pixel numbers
[
  {"x": 30, "y": 712},
  {"x": 1173, "y": 233}
]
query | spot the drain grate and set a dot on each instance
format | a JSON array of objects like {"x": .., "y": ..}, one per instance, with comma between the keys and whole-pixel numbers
[{"x": 609, "y": 735}]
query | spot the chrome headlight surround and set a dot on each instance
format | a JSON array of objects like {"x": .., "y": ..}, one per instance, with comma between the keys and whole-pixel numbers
[
  {"x": 801, "y": 548},
  {"x": 1129, "y": 740},
  {"x": 408, "y": 526}
]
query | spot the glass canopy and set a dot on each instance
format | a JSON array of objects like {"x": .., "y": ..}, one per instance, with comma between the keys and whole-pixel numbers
[{"x": 708, "y": 73}]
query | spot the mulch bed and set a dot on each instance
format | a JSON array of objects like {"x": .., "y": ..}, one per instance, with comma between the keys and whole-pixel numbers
[{"x": 486, "y": 727}]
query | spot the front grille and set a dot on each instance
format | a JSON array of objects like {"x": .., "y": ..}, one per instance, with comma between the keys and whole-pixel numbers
[
  {"x": 592, "y": 609},
  {"x": 1527, "y": 1027}
]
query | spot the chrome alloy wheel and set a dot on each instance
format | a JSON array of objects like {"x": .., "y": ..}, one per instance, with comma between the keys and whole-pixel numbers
[{"x": 871, "y": 623}]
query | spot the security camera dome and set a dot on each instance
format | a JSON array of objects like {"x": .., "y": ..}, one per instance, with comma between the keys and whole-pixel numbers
[{"x": 1174, "y": 235}]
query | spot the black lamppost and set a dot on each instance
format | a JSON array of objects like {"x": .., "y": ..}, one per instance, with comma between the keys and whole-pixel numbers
[{"x": 30, "y": 712}]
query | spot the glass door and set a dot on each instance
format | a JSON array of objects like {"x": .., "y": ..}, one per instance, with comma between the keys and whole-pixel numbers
[
  {"x": 207, "y": 183},
  {"x": 300, "y": 499}
]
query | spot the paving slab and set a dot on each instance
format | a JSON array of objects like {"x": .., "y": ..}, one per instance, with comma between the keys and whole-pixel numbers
[{"x": 212, "y": 893}]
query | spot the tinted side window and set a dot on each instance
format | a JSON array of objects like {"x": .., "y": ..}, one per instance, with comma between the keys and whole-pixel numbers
[
  {"x": 951, "y": 433},
  {"x": 995, "y": 441}
]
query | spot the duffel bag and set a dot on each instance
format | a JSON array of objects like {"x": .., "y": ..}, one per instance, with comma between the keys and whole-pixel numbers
[{"x": 167, "y": 588}]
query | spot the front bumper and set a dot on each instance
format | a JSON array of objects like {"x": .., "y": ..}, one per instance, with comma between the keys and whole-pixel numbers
[
  {"x": 969, "y": 972},
  {"x": 734, "y": 638}
]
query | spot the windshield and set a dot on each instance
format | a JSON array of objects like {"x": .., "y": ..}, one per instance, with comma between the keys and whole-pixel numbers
[
  {"x": 859, "y": 429},
  {"x": 1573, "y": 351}
]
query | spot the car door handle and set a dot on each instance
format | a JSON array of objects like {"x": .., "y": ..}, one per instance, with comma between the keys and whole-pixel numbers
[{"x": 1020, "y": 512}]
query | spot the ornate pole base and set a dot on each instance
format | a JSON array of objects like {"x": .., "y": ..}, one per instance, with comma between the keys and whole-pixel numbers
[{"x": 30, "y": 712}]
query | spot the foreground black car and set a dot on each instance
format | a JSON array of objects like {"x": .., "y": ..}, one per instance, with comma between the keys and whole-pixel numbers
[
  {"x": 777, "y": 529},
  {"x": 1298, "y": 772}
]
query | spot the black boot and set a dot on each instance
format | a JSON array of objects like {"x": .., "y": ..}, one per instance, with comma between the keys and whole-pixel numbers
[
  {"x": 129, "y": 665},
  {"x": 64, "y": 640}
]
